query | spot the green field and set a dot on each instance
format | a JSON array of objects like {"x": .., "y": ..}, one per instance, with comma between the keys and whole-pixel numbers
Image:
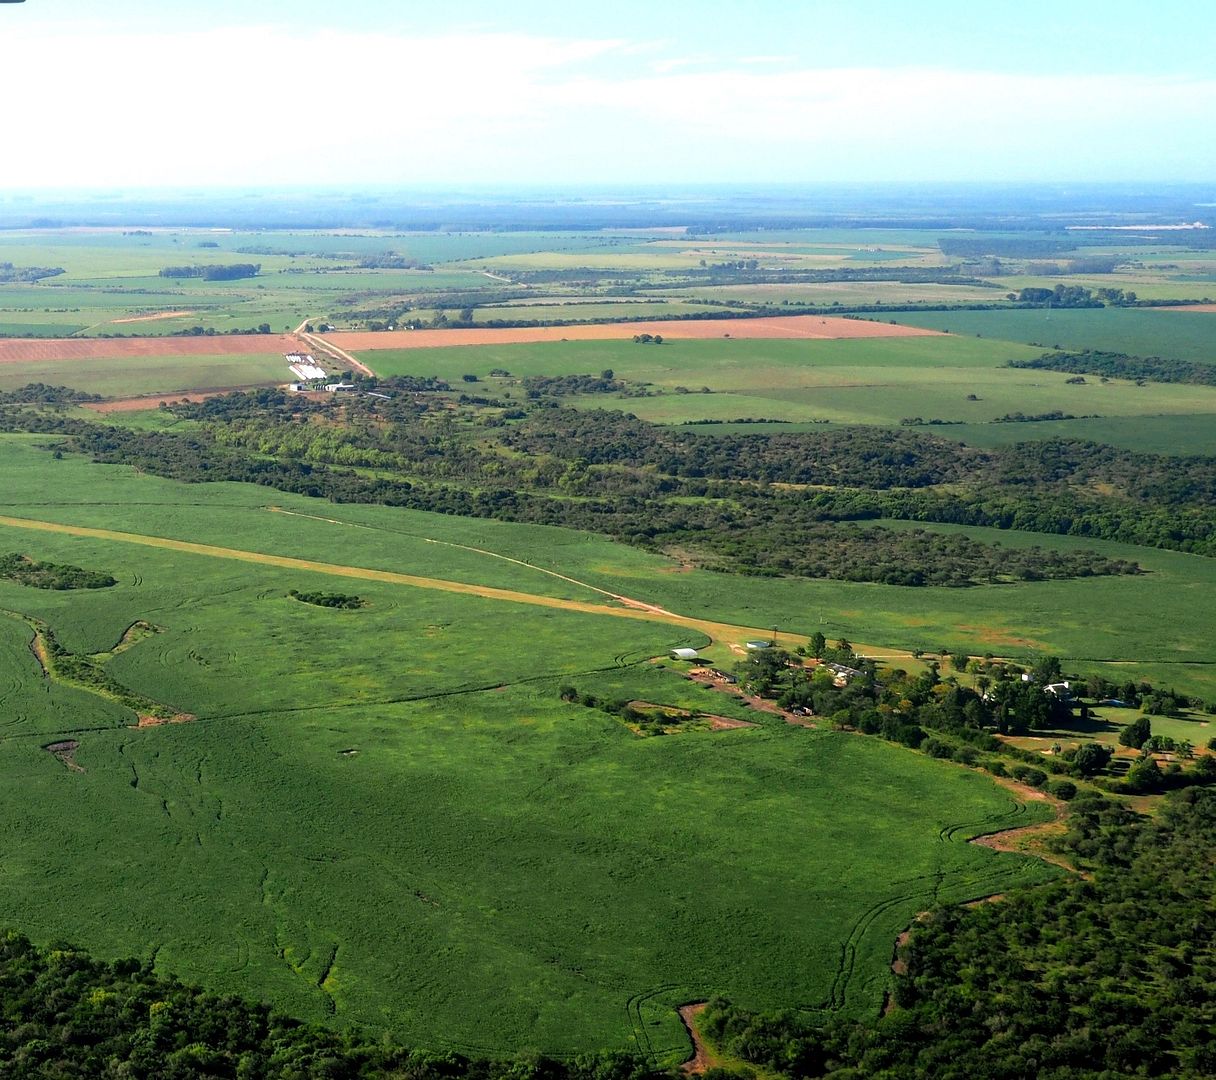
[
  {"x": 1178, "y": 434},
  {"x": 134, "y": 375},
  {"x": 383, "y": 817},
  {"x": 1182, "y": 335},
  {"x": 861, "y": 381}
]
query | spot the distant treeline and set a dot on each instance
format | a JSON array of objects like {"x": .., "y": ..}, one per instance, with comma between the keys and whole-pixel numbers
[
  {"x": 1115, "y": 365},
  {"x": 211, "y": 331},
  {"x": 42, "y": 393},
  {"x": 725, "y": 523},
  {"x": 10, "y": 274},
  {"x": 218, "y": 272},
  {"x": 391, "y": 261}
]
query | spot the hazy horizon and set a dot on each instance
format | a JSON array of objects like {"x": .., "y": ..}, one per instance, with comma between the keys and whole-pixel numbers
[{"x": 539, "y": 96}]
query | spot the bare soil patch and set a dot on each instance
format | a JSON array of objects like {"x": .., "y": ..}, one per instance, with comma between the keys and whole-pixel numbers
[
  {"x": 147, "y": 721},
  {"x": 1021, "y": 842},
  {"x": 810, "y": 327},
  {"x": 151, "y": 318},
  {"x": 707, "y": 678},
  {"x": 64, "y": 751},
  {"x": 1190, "y": 307},
  {"x": 672, "y": 712},
  {"x": 25, "y": 350},
  {"x": 701, "y": 1058}
]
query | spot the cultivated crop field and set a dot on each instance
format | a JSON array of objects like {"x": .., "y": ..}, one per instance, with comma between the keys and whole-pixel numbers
[
  {"x": 385, "y": 817},
  {"x": 1176, "y": 334}
]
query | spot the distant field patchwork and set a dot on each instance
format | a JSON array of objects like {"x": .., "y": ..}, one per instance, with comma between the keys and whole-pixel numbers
[{"x": 862, "y": 381}]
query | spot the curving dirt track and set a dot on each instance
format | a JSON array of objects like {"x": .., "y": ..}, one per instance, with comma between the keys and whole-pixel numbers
[
  {"x": 702, "y": 1058},
  {"x": 24, "y": 350},
  {"x": 796, "y": 327}
]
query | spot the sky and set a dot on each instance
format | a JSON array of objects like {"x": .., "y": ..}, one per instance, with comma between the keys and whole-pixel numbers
[{"x": 232, "y": 93}]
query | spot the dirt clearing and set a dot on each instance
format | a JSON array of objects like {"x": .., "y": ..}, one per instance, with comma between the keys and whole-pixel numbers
[
  {"x": 64, "y": 751},
  {"x": 152, "y": 318},
  {"x": 810, "y": 327},
  {"x": 701, "y": 1058}
]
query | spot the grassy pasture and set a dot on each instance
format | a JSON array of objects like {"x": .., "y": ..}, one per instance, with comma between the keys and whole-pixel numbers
[
  {"x": 857, "y": 381},
  {"x": 1106, "y": 722},
  {"x": 1188, "y": 434},
  {"x": 134, "y": 375},
  {"x": 1183, "y": 335},
  {"x": 384, "y": 817}
]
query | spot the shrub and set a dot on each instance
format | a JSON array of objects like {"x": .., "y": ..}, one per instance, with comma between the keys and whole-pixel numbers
[{"x": 1065, "y": 790}]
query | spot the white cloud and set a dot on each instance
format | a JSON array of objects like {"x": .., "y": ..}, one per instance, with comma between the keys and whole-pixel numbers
[{"x": 273, "y": 105}]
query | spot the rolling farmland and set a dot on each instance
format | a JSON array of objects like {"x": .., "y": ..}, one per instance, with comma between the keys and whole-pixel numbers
[
  {"x": 462, "y": 768},
  {"x": 421, "y": 809}
]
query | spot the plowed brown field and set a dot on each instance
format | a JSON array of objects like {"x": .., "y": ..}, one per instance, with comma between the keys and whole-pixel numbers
[
  {"x": 811, "y": 327},
  {"x": 23, "y": 350}
]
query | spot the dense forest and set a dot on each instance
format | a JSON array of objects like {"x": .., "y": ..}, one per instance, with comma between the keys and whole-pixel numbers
[{"x": 799, "y": 503}]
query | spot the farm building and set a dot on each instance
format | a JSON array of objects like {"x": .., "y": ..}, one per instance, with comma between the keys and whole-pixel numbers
[
  {"x": 304, "y": 366},
  {"x": 334, "y": 387},
  {"x": 684, "y": 654}
]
